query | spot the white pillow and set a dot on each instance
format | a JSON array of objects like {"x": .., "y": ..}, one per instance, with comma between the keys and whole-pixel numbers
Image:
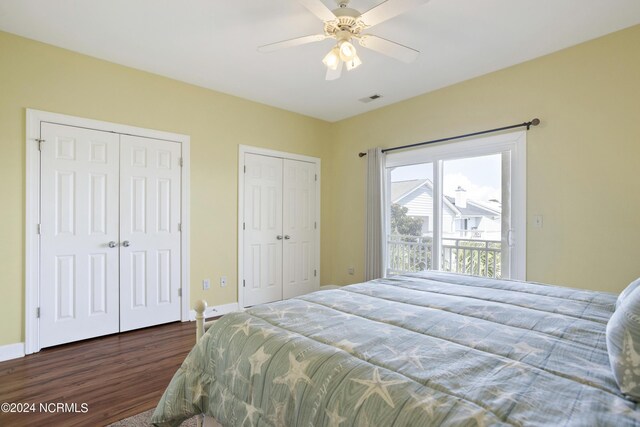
[
  {"x": 623, "y": 344},
  {"x": 625, "y": 293}
]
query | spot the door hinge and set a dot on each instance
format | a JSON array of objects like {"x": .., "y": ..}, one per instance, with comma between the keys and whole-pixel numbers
[
  {"x": 180, "y": 226},
  {"x": 316, "y": 177},
  {"x": 244, "y": 226},
  {"x": 180, "y": 161},
  {"x": 39, "y": 141},
  {"x": 315, "y": 225},
  {"x": 38, "y": 228},
  {"x": 38, "y": 313},
  {"x": 244, "y": 284},
  {"x": 315, "y": 273},
  {"x": 245, "y": 168},
  {"x": 179, "y": 292}
]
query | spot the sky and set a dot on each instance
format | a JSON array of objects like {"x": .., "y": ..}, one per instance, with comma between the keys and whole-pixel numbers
[{"x": 480, "y": 176}]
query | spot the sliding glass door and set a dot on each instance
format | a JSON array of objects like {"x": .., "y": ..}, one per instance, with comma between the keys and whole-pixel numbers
[{"x": 458, "y": 207}]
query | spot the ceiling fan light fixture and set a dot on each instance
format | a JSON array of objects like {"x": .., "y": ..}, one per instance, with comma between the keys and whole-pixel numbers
[
  {"x": 354, "y": 63},
  {"x": 347, "y": 50},
  {"x": 332, "y": 59}
]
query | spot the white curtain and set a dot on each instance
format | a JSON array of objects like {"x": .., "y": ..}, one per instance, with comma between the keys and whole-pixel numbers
[{"x": 375, "y": 232}]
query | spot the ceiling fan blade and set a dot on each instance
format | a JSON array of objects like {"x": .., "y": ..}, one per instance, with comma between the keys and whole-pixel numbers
[
  {"x": 319, "y": 9},
  {"x": 388, "y": 9},
  {"x": 389, "y": 48},
  {"x": 291, "y": 43},
  {"x": 334, "y": 74}
]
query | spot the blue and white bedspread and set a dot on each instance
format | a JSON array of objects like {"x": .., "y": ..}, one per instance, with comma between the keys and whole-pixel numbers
[{"x": 413, "y": 350}]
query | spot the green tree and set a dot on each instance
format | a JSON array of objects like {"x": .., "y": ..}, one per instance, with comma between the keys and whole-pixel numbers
[
  {"x": 407, "y": 250},
  {"x": 403, "y": 224}
]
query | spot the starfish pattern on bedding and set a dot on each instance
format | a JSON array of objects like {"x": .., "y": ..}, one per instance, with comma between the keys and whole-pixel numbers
[
  {"x": 525, "y": 348},
  {"x": 235, "y": 371},
  {"x": 485, "y": 314},
  {"x": 220, "y": 351},
  {"x": 346, "y": 345},
  {"x": 412, "y": 357},
  {"x": 251, "y": 412},
  {"x": 277, "y": 417},
  {"x": 518, "y": 366},
  {"x": 295, "y": 373},
  {"x": 266, "y": 332},
  {"x": 428, "y": 403},
  {"x": 366, "y": 307},
  {"x": 334, "y": 418},
  {"x": 244, "y": 327},
  {"x": 501, "y": 395},
  {"x": 377, "y": 386},
  {"x": 256, "y": 360},
  {"x": 467, "y": 323}
]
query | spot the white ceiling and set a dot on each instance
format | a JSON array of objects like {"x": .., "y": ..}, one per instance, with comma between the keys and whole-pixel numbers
[{"x": 212, "y": 43}]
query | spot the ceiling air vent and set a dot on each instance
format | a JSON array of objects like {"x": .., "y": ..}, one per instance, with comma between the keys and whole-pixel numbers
[{"x": 370, "y": 98}]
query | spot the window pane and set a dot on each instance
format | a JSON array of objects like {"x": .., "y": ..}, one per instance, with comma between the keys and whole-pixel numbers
[
  {"x": 410, "y": 227},
  {"x": 471, "y": 217}
]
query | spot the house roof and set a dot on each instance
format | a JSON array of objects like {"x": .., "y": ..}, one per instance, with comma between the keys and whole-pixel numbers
[
  {"x": 401, "y": 189},
  {"x": 473, "y": 208}
]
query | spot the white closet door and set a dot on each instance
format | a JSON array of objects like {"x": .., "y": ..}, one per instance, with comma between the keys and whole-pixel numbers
[
  {"x": 79, "y": 217},
  {"x": 263, "y": 229},
  {"x": 149, "y": 234},
  {"x": 299, "y": 222}
]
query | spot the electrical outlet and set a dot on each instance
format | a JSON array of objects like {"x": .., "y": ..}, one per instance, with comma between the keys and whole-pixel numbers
[
  {"x": 223, "y": 281},
  {"x": 351, "y": 271},
  {"x": 206, "y": 284}
]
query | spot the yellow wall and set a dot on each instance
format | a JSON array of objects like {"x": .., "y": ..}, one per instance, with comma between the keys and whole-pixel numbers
[
  {"x": 582, "y": 161},
  {"x": 35, "y": 75}
]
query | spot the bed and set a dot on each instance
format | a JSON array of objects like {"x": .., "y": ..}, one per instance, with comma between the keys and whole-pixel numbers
[{"x": 419, "y": 349}]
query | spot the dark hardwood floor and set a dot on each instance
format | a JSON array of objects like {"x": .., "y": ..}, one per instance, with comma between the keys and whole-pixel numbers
[{"x": 116, "y": 376}]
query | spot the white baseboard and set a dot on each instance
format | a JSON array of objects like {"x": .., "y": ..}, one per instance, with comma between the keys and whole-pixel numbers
[
  {"x": 11, "y": 351},
  {"x": 216, "y": 310}
]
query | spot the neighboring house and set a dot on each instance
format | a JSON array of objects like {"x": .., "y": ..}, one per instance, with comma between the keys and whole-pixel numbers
[{"x": 461, "y": 217}]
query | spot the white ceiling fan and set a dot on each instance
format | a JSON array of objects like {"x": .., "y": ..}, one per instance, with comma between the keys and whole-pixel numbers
[{"x": 345, "y": 25}]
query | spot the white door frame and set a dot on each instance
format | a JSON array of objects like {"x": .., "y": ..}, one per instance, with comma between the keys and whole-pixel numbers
[
  {"x": 242, "y": 149},
  {"x": 32, "y": 209},
  {"x": 516, "y": 142}
]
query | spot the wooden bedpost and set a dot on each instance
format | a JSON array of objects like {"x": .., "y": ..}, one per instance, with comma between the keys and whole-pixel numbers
[{"x": 200, "y": 308}]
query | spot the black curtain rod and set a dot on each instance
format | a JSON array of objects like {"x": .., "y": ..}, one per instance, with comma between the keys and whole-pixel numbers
[{"x": 534, "y": 122}]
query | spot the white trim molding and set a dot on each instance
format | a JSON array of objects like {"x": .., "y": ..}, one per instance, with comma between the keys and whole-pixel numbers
[
  {"x": 242, "y": 150},
  {"x": 514, "y": 143},
  {"x": 11, "y": 351},
  {"x": 32, "y": 216},
  {"x": 218, "y": 310}
]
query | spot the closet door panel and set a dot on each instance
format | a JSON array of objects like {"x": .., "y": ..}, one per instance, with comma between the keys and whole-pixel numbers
[
  {"x": 149, "y": 233},
  {"x": 79, "y": 217},
  {"x": 299, "y": 228},
  {"x": 263, "y": 229}
]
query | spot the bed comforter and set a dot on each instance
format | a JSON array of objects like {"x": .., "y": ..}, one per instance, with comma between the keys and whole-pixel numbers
[{"x": 412, "y": 350}]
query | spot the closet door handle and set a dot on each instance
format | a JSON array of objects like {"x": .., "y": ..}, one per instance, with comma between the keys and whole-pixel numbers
[
  {"x": 287, "y": 237},
  {"x": 126, "y": 243},
  {"x": 112, "y": 244},
  {"x": 279, "y": 237}
]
